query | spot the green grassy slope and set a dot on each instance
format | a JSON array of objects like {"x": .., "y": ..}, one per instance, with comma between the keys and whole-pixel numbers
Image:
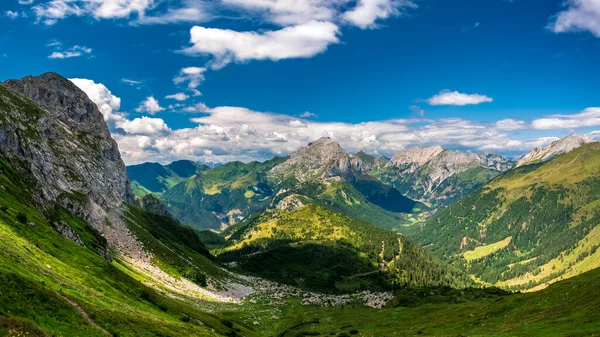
[
  {"x": 567, "y": 308},
  {"x": 315, "y": 248},
  {"x": 42, "y": 271},
  {"x": 549, "y": 212},
  {"x": 156, "y": 178},
  {"x": 221, "y": 195}
]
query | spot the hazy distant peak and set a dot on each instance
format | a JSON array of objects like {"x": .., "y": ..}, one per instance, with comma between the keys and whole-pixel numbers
[{"x": 555, "y": 148}]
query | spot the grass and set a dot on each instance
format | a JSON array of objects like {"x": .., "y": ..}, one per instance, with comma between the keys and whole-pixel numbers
[
  {"x": 568, "y": 308},
  {"x": 483, "y": 251}
]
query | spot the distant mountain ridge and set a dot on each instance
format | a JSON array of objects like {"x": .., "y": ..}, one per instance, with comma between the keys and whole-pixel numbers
[
  {"x": 387, "y": 187},
  {"x": 534, "y": 224},
  {"x": 439, "y": 176},
  {"x": 557, "y": 147},
  {"x": 156, "y": 178}
]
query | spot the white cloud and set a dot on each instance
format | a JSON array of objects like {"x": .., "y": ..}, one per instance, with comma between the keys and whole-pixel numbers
[
  {"x": 300, "y": 41},
  {"x": 368, "y": 12},
  {"x": 510, "y": 124},
  {"x": 586, "y": 118},
  {"x": 192, "y": 11},
  {"x": 447, "y": 97},
  {"x": 75, "y": 51},
  {"x": 107, "y": 103},
  {"x": 417, "y": 109},
  {"x": 150, "y": 105},
  {"x": 236, "y": 133},
  {"x": 580, "y": 15},
  {"x": 54, "y": 10},
  {"x": 131, "y": 82},
  {"x": 144, "y": 126},
  {"x": 11, "y": 14},
  {"x": 180, "y": 96},
  {"x": 25, "y": 2},
  {"x": 307, "y": 114},
  {"x": 290, "y": 12},
  {"x": 193, "y": 75}
]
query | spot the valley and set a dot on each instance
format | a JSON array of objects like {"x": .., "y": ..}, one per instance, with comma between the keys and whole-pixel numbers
[{"x": 319, "y": 242}]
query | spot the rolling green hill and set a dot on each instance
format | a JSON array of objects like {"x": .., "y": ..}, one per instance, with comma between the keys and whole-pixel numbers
[
  {"x": 223, "y": 195},
  {"x": 532, "y": 225},
  {"x": 317, "y": 249},
  {"x": 156, "y": 178}
]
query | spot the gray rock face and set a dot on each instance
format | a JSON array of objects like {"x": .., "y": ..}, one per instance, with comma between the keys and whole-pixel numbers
[
  {"x": 322, "y": 158},
  {"x": 560, "y": 146},
  {"x": 66, "y": 144},
  {"x": 411, "y": 159},
  {"x": 419, "y": 172},
  {"x": 56, "y": 136}
]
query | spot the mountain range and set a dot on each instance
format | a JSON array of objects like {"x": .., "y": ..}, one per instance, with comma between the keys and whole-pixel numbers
[{"x": 321, "y": 242}]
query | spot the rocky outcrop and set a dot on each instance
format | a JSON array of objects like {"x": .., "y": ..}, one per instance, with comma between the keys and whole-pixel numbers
[
  {"x": 154, "y": 205},
  {"x": 560, "y": 146},
  {"x": 419, "y": 172},
  {"x": 68, "y": 148},
  {"x": 322, "y": 158},
  {"x": 411, "y": 159},
  {"x": 56, "y": 136}
]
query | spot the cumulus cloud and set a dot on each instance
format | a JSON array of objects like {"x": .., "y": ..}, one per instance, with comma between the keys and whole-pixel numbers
[
  {"x": 447, "y": 97},
  {"x": 25, "y": 2},
  {"x": 580, "y": 15},
  {"x": 307, "y": 114},
  {"x": 51, "y": 11},
  {"x": 75, "y": 51},
  {"x": 180, "y": 96},
  {"x": 11, "y": 14},
  {"x": 150, "y": 105},
  {"x": 190, "y": 11},
  {"x": 366, "y": 13},
  {"x": 510, "y": 124},
  {"x": 289, "y": 12},
  {"x": 236, "y": 133},
  {"x": 586, "y": 118},
  {"x": 299, "y": 41},
  {"x": 144, "y": 126},
  {"x": 193, "y": 76},
  {"x": 107, "y": 103}
]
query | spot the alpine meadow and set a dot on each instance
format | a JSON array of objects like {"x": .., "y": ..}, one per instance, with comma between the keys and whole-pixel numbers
[{"x": 296, "y": 168}]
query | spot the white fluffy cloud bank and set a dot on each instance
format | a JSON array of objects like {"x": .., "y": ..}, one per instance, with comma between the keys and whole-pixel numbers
[
  {"x": 579, "y": 15},
  {"x": 229, "y": 133},
  {"x": 447, "y": 97},
  {"x": 299, "y": 41},
  {"x": 587, "y": 118}
]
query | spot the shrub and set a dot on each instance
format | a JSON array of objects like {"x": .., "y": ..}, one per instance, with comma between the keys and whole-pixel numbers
[
  {"x": 227, "y": 323},
  {"x": 184, "y": 318},
  {"x": 22, "y": 217}
]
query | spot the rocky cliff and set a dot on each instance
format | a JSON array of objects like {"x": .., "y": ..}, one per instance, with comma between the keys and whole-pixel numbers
[
  {"x": 56, "y": 136},
  {"x": 439, "y": 176}
]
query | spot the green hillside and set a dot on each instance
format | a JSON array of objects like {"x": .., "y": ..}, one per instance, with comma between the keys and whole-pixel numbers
[
  {"x": 47, "y": 280},
  {"x": 567, "y": 308},
  {"x": 156, "y": 178},
  {"x": 530, "y": 226},
  {"x": 315, "y": 248},
  {"x": 222, "y": 195}
]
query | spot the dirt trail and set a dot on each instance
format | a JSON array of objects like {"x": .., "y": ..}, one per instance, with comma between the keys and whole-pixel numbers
[{"x": 85, "y": 315}]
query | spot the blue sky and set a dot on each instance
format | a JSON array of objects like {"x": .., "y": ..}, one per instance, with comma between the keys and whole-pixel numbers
[{"x": 257, "y": 78}]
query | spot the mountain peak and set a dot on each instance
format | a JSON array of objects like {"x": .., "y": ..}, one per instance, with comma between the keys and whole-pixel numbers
[
  {"x": 76, "y": 142},
  {"x": 317, "y": 158},
  {"x": 555, "y": 148},
  {"x": 415, "y": 156}
]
